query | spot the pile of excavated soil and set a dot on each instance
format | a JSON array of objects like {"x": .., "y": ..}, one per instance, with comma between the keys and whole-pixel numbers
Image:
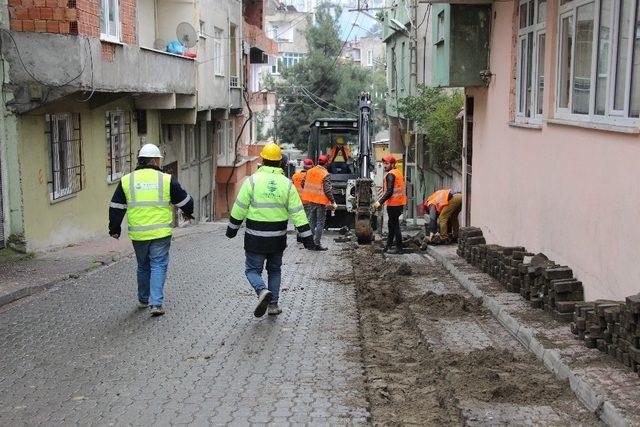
[
  {"x": 449, "y": 305},
  {"x": 407, "y": 381}
]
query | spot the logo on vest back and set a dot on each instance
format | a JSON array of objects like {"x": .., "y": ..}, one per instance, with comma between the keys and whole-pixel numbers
[{"x": 146, "y": 186}]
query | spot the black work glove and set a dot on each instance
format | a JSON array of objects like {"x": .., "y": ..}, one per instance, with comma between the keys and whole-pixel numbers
[
  {"x": 308, "y": 242},
  {"x": 231, "y": 232}
]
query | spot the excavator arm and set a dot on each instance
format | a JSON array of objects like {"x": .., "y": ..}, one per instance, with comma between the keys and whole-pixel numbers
[{"x": 364, "y": 214}]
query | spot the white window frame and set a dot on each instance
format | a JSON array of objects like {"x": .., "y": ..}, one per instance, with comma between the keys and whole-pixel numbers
[
  {"x": 611, "y": 116},
  {"x": 220, "y": 139},
  {"x": 104, "y": 15},
  {"x": 113, "y": 136},
  {"x": 440, "y": 27},
  {"x": 536, "y": 30},
  {"x": 225, "y": 138},
  {"x": 218, "y": 52},
  {"x": 55, "y": 155},
  {"x": 370, "y": 57},
  {"x": 275, "y": 68}
]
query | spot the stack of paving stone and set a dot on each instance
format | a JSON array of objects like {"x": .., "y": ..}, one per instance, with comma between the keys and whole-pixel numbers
[
  {"x": 468, "y": 238},
  {"x": 545, "y": 284},
  {"x": 612, "y": 327}
]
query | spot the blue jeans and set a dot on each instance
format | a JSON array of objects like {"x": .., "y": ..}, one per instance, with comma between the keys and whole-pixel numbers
[
  {"x": 254, "y": 265},
  {"x": 153, "y": 260}
]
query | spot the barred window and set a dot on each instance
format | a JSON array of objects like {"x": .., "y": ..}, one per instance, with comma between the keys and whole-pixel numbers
[
  {"x": 65, "y": 154},
  {"x": 118, "y": 138}
]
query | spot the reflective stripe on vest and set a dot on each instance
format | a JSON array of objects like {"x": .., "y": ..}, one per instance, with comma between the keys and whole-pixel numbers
[
  {"x": 313, "y": 190},
  {"x": 439, "y": 199},
  {"x": 399, "y": 196},
  {"x": 149, "y": 211}
]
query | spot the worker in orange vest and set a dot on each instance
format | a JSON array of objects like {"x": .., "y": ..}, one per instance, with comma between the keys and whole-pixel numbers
[
  {"x": 443, "y": 207},
  {"x": 395, "y": 197},
  {"x": 297, "y": 179},
  {"x": 317, "y": 190},
  {"x": 339, "y": 152}
]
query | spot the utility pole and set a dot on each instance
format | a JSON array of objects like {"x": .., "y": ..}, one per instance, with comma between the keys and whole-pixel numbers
[{"x": 275, "y": 120}]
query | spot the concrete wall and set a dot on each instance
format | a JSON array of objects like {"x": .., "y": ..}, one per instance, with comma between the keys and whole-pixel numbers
[
  {"x": 131, "y": 69},
  {"x": 84, "y": 215},
  {"x": 213, "y": 91},
  {"x": 567, "y": 191}
]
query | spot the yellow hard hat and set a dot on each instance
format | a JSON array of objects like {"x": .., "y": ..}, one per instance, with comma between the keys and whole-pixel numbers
[
  {"x": 271, "y": 151},
  {"x": 340, "y": 140}
]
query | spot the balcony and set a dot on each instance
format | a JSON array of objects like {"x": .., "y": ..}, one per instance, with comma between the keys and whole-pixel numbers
[
  {"x": 261, "y": 45},
  {"x": 67, "y": 64}
]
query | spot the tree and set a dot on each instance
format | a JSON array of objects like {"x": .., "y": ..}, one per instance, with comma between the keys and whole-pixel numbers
[
  {"x": 321, "y": 85},
  {"x": 435, "y": 112}
]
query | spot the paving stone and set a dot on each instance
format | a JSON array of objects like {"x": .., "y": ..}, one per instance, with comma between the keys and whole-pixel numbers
[{"x": 208, "y": 360}]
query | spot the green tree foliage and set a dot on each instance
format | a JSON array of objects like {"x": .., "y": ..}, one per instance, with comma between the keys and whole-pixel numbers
[
  {"x": 435, "y": 112},
  {"x": 321, "y": 85}
]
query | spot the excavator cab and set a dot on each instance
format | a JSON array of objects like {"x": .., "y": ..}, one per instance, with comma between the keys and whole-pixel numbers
[{"x": 347, "y": 144}]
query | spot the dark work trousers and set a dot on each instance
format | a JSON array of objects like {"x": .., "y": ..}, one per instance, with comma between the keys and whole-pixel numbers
[{"x": 394, "y": 212}]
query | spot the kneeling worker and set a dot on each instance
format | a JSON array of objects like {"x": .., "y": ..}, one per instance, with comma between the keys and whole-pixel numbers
[
  {"x": 395, "y": 197},
  {"x": 267, "y": 199},
  {"x": 443, "y": 207}
]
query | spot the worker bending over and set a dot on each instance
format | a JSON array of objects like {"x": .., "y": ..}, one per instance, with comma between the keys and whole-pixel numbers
[
  {"x": 395, "y": 197},
  {"x": 146, "y": 196},
  {"x": 318, "y": 191},
  {"x": 443, "y": 207},
  {"x": 267, "y": 199}
]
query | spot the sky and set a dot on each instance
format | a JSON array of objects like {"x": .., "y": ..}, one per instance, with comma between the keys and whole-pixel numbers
[{"x": 346, "y": 21}]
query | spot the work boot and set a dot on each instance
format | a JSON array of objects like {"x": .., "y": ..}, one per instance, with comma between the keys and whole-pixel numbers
[
  {"x": 263, "y": 301},
  {"x": 395, "y": 251},
  {"x": 274, "y": 309},
  {"x": 143, "y": 304},
  {"x": 321, "y": 248},
  {"x": 157, "y": 310}
]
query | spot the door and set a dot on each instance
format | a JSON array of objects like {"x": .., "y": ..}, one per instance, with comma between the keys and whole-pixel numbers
[
  {"x": 172, "y": 169},
  {"x": 468, "y": 155}
]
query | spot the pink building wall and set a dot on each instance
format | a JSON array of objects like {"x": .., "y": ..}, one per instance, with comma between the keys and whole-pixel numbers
[{"x": 569, "y": 192}]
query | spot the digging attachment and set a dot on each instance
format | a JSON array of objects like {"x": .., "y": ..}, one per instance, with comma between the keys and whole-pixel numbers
[{"x": 364, "y": 214}]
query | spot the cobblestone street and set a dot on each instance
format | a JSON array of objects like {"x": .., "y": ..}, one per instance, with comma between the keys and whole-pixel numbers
[
  {"x": 84, "y": 354},
  {"x": 348, "y": 349}
]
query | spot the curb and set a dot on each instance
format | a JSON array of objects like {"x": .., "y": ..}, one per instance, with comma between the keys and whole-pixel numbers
[{"x": 587, "y": 394}]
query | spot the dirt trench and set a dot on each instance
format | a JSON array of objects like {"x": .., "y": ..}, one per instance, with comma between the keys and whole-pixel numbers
[{"x": 412, "y": 381}]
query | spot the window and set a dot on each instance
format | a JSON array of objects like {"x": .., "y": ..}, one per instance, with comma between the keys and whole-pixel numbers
[
  {"x": 202, "y": 140},
  {"x": 65, "y": 153},
  {"x": 233, "y": 54},
  {"x": 218, "y": 58},
  {"x": 118, "y": 138},
  {"x": 370, "y": 57},
  {"x": 291, "y": 59},
  {"x": 530, "y": 60},
  {"x": 394, "y": 70},
  {"x": 276, "y": 65},
  {"x": 189, "y": 146},
  {"x": 440, "y": 27},
  {"x": 110, "y": 20},
  {"x": 225, "y": 138},
  {"x": 599, "y": 61}
]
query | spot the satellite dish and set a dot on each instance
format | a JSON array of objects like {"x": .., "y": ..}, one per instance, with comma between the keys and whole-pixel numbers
[
  {"x": 187, "y": 34},
  {"x": 159, "y": 44}
]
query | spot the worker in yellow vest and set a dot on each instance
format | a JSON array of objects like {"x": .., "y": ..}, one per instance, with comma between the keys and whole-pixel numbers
[
  {"x": 395, "y": 197},
  {"x": 318, "y": 191},
  {"x": 146, "y": 196},
  {"x": 441, "y": 213}
]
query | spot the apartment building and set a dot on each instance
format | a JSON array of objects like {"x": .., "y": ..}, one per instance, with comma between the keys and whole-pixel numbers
[{"x": 552, "y": 133}]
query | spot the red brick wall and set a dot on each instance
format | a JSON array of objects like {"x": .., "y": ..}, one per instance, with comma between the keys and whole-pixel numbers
[
  {"x": 69, "y": 17},
  {"x": 252, "y": 12}
]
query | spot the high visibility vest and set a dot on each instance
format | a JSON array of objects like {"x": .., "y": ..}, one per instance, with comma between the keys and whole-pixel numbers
[
  {"x": 313, "y": 190},
  {"x": 337, "y": 150},
  {"x": 297, "y": 182},
  {"x": 399, "y": 197},
  {"x": 439, "y": 199},
  {"x": 267, "y": 199},
  {"x": 149, "y": 211}
]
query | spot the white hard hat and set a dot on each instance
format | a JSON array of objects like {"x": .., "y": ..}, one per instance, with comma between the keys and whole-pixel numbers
[{"x": 151, "y": 151}]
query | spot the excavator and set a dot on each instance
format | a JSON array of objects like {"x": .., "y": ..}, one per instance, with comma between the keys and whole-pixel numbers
[{"x": 351, "y": 139}]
